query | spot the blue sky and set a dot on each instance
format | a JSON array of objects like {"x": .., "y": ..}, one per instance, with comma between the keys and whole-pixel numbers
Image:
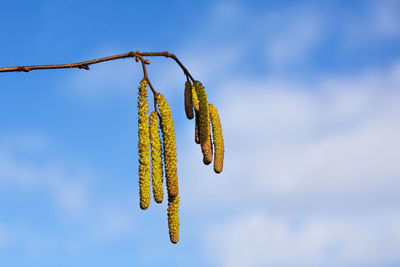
[{"x": 309, "y": 97}]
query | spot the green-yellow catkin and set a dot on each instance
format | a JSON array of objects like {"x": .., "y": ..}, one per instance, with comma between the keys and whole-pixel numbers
[
  {"x": 173, "y": 219},
  {"x": 196, "y": 128},
  {"x": 156, "y": 158},
  {"x": 218, "y": 139},
  {"x": 169, "y": 145},
  {"x": 204, "y": 123},
  {"x": 195, "y": 99},
  {"x": 188, "y": 100},
  {"x": 143, "y": 147},
  {"x": 206, "y": 149}
]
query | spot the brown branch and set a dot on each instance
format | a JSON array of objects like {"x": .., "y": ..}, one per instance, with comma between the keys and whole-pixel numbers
[{"x": 85, "y": 64}]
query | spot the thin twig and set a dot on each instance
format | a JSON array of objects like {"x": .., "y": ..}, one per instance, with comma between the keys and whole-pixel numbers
[
  {"x": 85, "y": 64},
  {"x": 145, "y": 76}
]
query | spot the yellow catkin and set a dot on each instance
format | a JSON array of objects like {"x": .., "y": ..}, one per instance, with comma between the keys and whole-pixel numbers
[
  {"x": 188, "y": 100},
  {"x": 169, "y": 145},
  {"x": 156, "y": 158},
  {"x": 204, "y": 123},
  {"x": 218, "y": 139},
  {"x": 143, "y": 147},
  {"x": 173, "y": 219},
  {"x": 206, "y": 149},
  {"x": 195, "y": 102},
  {"x": 195, "y": 99}
]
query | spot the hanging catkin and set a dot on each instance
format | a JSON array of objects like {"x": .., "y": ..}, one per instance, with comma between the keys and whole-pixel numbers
[
  {"x": 188, "y": 100},
  {"x": 156, "y": 158},
  {"x": 196, "y": 128},
  {"x": 195, "y": 99},
  {"x": 218, "y": 139},
  {"x": 143, "y": 147},
  {"x": 173, "y": 219},
  {"x": 169, "y": 144},
  {"x": 195, "y": 102},
  {"x": 204, "y": 123}
]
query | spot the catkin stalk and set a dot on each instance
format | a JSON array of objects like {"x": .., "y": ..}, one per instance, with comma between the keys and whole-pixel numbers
[
  {"x": 218, "y": 139},
  {"x": 169, "y": 144},
  {"x": 143, "y": 147},
  {"x": 156, "y": 158}
]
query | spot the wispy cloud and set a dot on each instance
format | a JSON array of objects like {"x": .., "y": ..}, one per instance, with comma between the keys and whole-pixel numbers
[
  {"x": 289, "y": 139},
  {"x": 256, "y": 239},
  {"x": 70, "y": 188},
  {"x": 312, "y": 152},
  {"x": 310, "y": 156}
]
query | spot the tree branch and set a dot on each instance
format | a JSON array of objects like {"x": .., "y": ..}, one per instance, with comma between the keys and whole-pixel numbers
[{"x": 85, "y": 64}]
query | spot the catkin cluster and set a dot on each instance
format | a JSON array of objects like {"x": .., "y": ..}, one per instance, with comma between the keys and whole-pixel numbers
[
  {"x": 208, "y": 133},
  {"x": 149, "y": 137},
  {"x": 156, "y": 152},
  {"x": 205, "y": 114}
]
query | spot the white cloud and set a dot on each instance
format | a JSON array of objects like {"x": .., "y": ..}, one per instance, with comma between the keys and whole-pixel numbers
[
  {"x": 311, "y": 173},
  {"x": 315, "y": 155},
  {"x": 291, "y": 141},
  {"x": 256, "y": 239}
]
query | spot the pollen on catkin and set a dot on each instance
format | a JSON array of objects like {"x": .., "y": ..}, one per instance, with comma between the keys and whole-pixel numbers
[
  {"x": 156, "y": 158},
  {"x": 143, "y": 147},
  {"x": 169, "y": 145},
  {"x": 218, "y": 139},
  {"x": 204, "y": 123},
  {"x": 188, "y": 100},
  {"x": 173, "y": 219}
]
